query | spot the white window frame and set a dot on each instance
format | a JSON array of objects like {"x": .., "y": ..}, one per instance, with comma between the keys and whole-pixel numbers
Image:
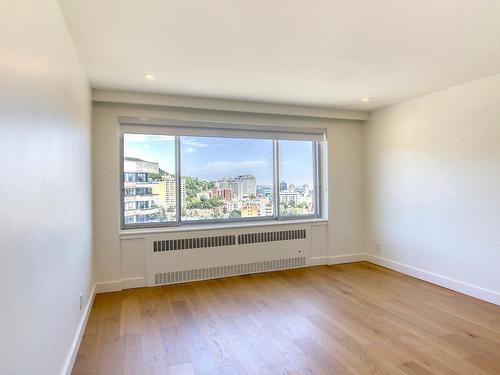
[{"x": 178, "y": 128}]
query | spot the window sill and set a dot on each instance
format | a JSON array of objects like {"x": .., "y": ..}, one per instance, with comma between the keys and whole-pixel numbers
[{"x": 125, "y": 233}]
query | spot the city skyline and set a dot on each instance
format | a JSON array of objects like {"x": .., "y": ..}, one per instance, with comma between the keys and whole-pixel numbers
[{"x": 150, "y": 195}]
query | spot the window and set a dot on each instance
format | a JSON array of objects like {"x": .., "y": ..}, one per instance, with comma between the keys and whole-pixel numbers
[
  {"x": 173, "y": 175},
  {"x": 149, "y": 186},
  {"x": 297, "y": 187}
]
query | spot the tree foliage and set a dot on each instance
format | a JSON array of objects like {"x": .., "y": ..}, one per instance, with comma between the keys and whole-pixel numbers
[
  {"x": 235, "y": 214},
  {"x": 204, "y": 203},
  {"x": 194, "y": 186}
]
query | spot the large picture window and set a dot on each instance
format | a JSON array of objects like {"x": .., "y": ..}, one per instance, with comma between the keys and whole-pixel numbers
[{"x": 171, "y": 178}]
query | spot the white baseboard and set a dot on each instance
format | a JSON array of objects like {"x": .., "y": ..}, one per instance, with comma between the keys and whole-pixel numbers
[
  {"x": 133, "y": 282},
  {"x": 318, "y": 261},
  {"x": 117, "y": 285},
  {"x": 349, "y": 258},
  {"x": 444, "y": 281},
  {"x": 108, "y": 286},
  {"x": 75, "y": 345},
  {"x": 336, "y": 259}
]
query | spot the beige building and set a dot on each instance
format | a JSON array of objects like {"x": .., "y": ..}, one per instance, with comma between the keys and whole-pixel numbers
[
  {"x": 165, "y": 193},
  {"x": 250, "y": 210}
]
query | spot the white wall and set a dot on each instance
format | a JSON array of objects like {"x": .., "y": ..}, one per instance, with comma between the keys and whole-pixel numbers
[
  {"x": 121, "y": 258},
  {"x": 45, "y": 188},
  {"x": 433, "y": 187}
]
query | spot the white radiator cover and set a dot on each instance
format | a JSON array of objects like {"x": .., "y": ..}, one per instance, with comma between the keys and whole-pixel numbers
[{"x": 286, "y": 250}]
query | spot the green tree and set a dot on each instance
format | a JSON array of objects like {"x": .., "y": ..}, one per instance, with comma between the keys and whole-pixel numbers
[
  {"x": 204, "y": 203},
  {"x": 235, "y": 214},
  {"x": 194, "y": 186}
]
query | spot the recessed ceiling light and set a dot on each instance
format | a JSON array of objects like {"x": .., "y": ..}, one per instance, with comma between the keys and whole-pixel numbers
[
  {"x": 149, "y": 77},
  {"x": 367, "y": 99}
]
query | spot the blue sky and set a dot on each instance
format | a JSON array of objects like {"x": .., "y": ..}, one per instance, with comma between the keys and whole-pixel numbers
[
  {"x": 296, "y": 162},
  {"x": 212, "y": 158}
]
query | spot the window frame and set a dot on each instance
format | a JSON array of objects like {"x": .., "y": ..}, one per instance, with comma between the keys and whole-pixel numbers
[{"x": 176, "y": 131}]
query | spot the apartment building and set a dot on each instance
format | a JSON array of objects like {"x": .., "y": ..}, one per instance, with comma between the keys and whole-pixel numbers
[
  {"x": 241, "y": 186},
  {"x": 139, "y": 203},
  {"x": 165, "y": 192}
]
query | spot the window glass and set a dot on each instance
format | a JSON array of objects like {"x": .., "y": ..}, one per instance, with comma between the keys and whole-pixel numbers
[
  {"x": 226, "y": 178},
  {"x": 222, "y": 178},
  {"x": 296, "y": 176},
  {"x": 149, "y": 178}
]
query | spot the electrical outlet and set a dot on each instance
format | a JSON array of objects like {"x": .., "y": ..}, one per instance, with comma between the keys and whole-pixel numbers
[
  {"x": 378, "y": 248},
  {"x": 81, "y": 301}
]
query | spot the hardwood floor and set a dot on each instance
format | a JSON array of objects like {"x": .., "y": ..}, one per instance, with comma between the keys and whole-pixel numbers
[{"x": 355, "y": 318}]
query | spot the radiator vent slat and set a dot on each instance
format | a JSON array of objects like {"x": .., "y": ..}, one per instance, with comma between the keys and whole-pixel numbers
[
  {"x": 193, "y": 243},
  {"x": 228, "y": 240},
  {"x": 163, "y": 278},
  {"x": 284, "y": 235}
]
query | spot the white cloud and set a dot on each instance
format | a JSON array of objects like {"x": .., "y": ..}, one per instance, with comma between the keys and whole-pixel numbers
[{"x": 193, "y": 143}]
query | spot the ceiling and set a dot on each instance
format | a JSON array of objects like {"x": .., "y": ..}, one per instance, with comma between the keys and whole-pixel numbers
[{"x": 326, "y": 53}]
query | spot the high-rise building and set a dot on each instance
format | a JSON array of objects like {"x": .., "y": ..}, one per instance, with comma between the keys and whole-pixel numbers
[
  {"x": 242, "y": 186},
  {"x": 248, "y": 185},
  {"x": 166, "y": 193},
  {"x": 283, "y": 186},
  {"x": 139, "y": 206},
  {"x": 230, "y": 183}
]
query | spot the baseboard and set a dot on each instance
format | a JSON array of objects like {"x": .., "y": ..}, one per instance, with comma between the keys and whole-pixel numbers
[
  {"x": 108, "y": 286},
  {"x": 348, "y": 258},
  {"x": 117, "y": 285},
  {"x": 318, "y": 261},
  {"x": 444, "y": 281},
  {"x": 71, "y": 357},
  {"x": 335, "y": 259},
  {"x": 133, "y": 282}
]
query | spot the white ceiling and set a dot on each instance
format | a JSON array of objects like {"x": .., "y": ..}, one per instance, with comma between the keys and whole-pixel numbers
[{"x": 311, "y": 52}]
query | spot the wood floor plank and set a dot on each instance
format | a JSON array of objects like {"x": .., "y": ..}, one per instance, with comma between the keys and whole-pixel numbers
[{"x": 355, "y": 318}]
